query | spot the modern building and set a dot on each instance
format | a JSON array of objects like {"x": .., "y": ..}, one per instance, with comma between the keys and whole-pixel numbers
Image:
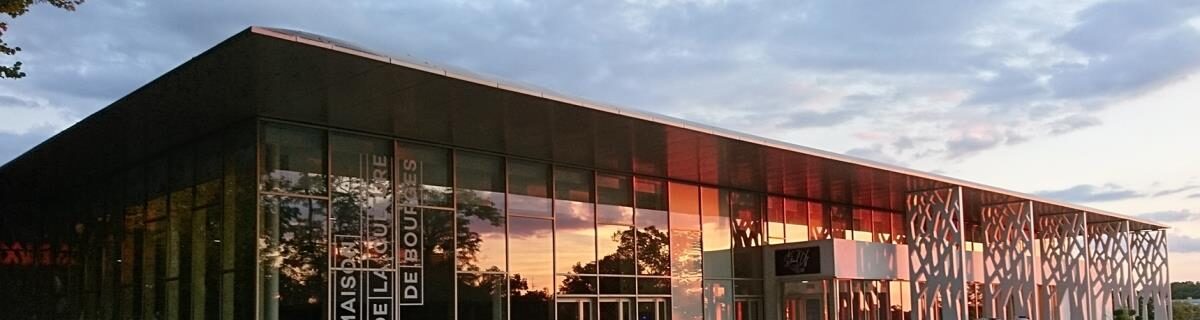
[{"x": 285, "y": 175}]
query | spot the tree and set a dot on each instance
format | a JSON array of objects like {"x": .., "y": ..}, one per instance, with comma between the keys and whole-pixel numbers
[
  {"x": 1185, "y": 290},
  {"x": 14, "y": 9}
]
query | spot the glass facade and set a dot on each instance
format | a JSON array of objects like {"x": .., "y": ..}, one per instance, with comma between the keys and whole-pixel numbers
[{"x": 513, "y": 238}]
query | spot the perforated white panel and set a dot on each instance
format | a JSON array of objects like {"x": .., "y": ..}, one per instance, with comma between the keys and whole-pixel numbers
[
  {"x": 1063, "y": 244},
  {"x": 1151, "y": 279},
  {"x": 1008, "y": 260},
  {"x": 1108, "y": 260},
  {"x": 936, "y": 254}
]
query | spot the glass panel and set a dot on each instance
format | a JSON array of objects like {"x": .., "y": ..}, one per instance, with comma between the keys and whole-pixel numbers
[
  {"x": 818, "y": 222},
  {"x": 717, "y": 235},
  {"x": 481, "y": 240},
  {"x": 653, "y": 242},
  {"x": 439, "y": 267},
  {"x": 746, "y": 209},
  {"x": 482, "y": 297},
  {"x": 687, "y": 298},
  {"x": 615, "y": 248},
  {"x": 573, "y": 184},
  {"x": 606, "y": 213},
  {"x": 433, "y": 174},
  {"x": 881, "y": 224},
  {"x": 479, "y": 172},
  {"x": 617, "y": 285},
  {"x": 899, "y": 229},
  {"x": 654, "y": 285},
  {"x": 796, "y": 215},
  {"x": 531, "y": 266},
  {"x": 572, "y": 309},
  {"x": 576, "y": 284},
  {"x": 293, "y": 159},
  {"x": 575, "y": 237},
  {"x": 775, "y": 221},
  {"x": 650, "y": 194},
  {"x": 656, "y": 309},
  {"x": 685, "y": 206},
  {"x": 718, "y": 299},
  {"x": 614, "y": 190},
  {"x": 295, "y": 258},
  {"x": 862, "y": 225},
  {"x": 529, "y": 188},
  {"x": 839, "y": 221}
]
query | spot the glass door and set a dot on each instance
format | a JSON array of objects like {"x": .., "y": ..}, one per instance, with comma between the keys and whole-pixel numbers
[
  {"x": 576, "y": 309},
  {"x": 616, "y": 309},
  {"x": 747, "y": 309},
  {"x": 804, "y": 300},
  {"x": 653, "y": 309}
]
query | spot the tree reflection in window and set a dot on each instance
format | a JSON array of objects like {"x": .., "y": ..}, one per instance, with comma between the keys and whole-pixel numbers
[
  {"x": 649, "y": 239},
  {"x": 295, "y": 251}
]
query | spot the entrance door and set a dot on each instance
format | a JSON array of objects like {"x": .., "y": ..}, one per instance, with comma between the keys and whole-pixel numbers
[
  {"x": 747, "y": 309},
  {"x": 616, "y": 309},
  {"x": 576, "y": 309},
  {"x": 653, "y": 309},
  {"x": 803, "y": 300}
]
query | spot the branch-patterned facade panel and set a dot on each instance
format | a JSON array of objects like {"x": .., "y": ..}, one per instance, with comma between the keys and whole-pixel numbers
[
  {"x": 1008, "y": 260},
  {"x": 1108, "y": 261},
  {"x": 1151, "y": 281},
  {"x": 936, "y": 260},
  {"x": 1063, "y": 245}
]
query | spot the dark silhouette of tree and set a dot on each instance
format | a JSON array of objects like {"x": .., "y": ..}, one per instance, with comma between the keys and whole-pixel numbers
[{"x": 14, "y": 9}]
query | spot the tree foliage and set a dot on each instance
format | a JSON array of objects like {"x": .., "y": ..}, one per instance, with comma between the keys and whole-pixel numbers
[
  {"x": 1185, "y": 290},
  {"x": 14, "y": 9}
]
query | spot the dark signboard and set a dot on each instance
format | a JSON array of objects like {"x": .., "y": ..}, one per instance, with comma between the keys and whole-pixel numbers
[{"x": 798, "y": 261}]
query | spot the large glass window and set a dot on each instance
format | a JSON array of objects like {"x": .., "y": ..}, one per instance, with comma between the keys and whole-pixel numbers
[
  {"x": 296, "y": 237},
  {"x": 482, "y": 296},
  {"x": 529, "y": 188},
  {"x": 747, "y": 212},
  {"x": 861, "y": 226},
  {"x": 796, "y": 215},
  {"x": 775, "y": 221},
  {"x": 432, "y": 174},
  {"x": 531, "y": 265},
  {"x": 439, "y": 260},
  {"x": 293, "y": 159},
  {"x": 614, "y": 199},
  {"x": 714, "y": 210},
  {"x": 481, "y": 201},
  {"x": 575, "y": 237},
  {"x": 651, "y": 219},
  {"x": 818, "y": 221},
  {"x": 686, "y": 295},
  {"x": 615, "y": 232},
  {"x": 839, "y": 221}
]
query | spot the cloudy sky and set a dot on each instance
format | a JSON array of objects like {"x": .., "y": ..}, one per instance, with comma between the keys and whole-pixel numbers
[{"x": 1084, "y": 101}]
